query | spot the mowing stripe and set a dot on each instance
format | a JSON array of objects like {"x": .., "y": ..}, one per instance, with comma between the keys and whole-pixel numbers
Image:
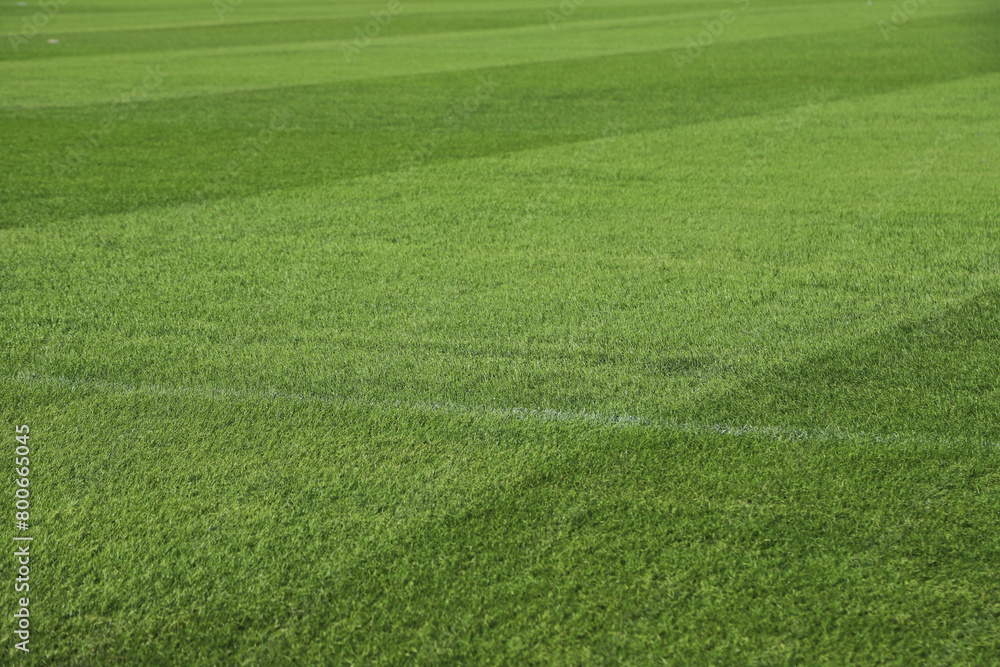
[
  {"x": 402, "y": 173},
  {"x": 825, "y": 434},
  {"x": 276, "y": 66}
]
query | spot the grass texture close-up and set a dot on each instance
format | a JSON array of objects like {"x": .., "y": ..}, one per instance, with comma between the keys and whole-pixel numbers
[{"x": 461, "y": 332}]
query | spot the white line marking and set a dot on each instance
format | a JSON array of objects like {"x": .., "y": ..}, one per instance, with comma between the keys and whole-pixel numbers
[{"x": 826, "y": 434}]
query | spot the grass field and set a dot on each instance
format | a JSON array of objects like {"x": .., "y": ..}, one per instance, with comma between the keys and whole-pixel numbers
[{"x": 602, "y": 332}]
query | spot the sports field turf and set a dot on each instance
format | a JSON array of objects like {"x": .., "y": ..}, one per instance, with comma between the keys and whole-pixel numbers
[{"x": 610, "y": 332}]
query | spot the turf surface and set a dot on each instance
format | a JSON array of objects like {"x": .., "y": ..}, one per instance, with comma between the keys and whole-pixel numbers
[{"x": 526, "y": 333}]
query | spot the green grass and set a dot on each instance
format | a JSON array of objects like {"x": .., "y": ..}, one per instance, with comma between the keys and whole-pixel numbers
[{"x": 619, "y": 362}]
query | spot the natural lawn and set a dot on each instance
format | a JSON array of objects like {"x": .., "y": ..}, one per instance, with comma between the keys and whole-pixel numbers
[{"x": 504, "y": 343}]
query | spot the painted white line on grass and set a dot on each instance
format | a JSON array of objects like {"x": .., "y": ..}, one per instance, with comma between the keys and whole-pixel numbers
[{"x": 826, "y": 434}]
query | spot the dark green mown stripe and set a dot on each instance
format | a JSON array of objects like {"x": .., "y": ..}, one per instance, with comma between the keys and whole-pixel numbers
[
  {"x": 296, "y": 536},
  {"x": 939, "y": 375},
  {"x": 350, "y": 129},
  {"x": 409, "y": 22}
]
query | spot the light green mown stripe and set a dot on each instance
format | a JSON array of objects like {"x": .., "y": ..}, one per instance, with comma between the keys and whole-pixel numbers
[
  {"x": 524, "y": 296},
  {"x": 84, "y": 16},
  {"x": 95, "y": 79},
  {"x": 349, "y": 128},
  {"x": 227, "y": 33}
]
